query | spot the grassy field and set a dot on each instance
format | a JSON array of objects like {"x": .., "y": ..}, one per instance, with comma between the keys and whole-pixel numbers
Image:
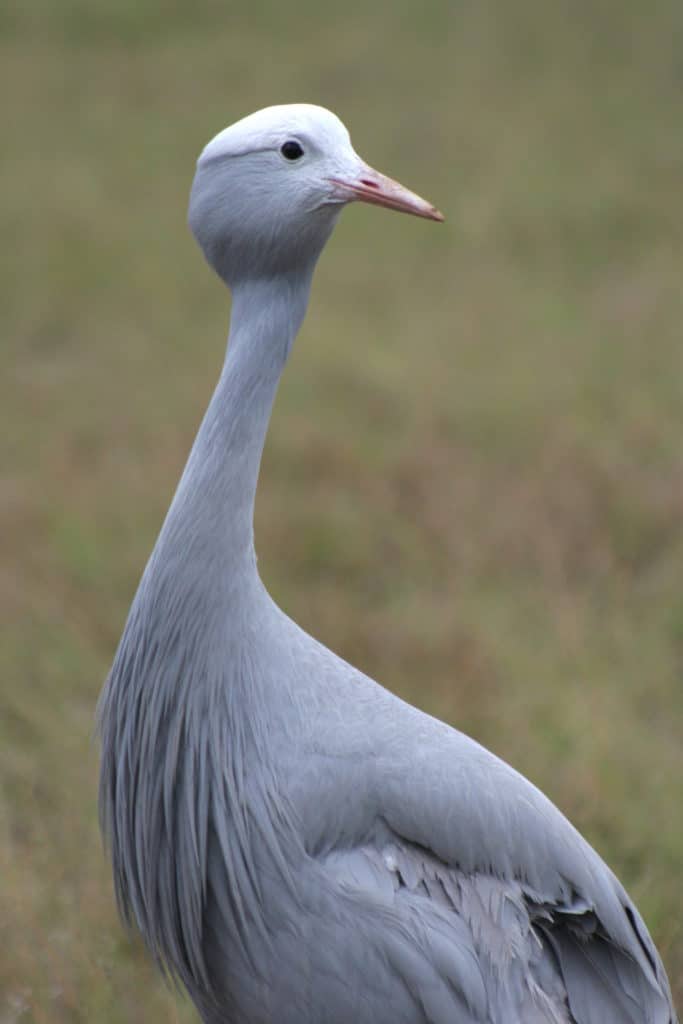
[{"x": 473, "y": 485}]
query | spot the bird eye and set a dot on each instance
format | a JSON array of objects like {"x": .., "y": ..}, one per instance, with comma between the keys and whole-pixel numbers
[{"x": 291, "y": 150}]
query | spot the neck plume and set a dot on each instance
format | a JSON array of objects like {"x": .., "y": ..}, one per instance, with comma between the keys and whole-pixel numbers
[{"x": 179, "y": 697}]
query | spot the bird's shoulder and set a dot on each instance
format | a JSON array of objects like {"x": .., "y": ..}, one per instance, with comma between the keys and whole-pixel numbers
[{"x": 396, "y": 802}]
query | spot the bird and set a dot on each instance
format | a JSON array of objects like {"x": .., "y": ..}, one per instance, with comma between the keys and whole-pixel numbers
[{"x": 294, "y": 842}]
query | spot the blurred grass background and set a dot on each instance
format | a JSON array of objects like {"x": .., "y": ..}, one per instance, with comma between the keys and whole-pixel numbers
[{"x": 473, "y": 484}]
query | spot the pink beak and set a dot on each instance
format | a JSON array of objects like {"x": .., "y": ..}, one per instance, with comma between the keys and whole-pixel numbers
[{"x": 369, "y": 186}]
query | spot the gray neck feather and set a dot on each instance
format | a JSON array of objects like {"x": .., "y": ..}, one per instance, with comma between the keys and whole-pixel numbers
[
  {"x": 183, "y": 709},
  {"x": 209, "y": 527}
]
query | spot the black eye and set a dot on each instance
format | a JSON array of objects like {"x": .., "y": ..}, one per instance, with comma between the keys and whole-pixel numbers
[{"x": 291, "y": 150}]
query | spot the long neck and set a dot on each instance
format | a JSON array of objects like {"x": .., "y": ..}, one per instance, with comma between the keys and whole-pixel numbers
[{"x": 209, "y": 527}]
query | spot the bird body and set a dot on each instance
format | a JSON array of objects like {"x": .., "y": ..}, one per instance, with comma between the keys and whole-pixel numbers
[{"x": 294, "y": 842}]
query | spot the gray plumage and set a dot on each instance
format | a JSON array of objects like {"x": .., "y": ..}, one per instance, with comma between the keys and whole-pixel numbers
[{"x": 295, "y": 843}]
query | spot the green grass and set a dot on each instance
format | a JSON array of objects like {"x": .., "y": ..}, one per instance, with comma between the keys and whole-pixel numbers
[{"x": 473, "y": 485}]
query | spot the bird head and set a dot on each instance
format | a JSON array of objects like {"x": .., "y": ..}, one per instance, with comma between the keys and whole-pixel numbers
[{"x": 268, "y": 190}]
